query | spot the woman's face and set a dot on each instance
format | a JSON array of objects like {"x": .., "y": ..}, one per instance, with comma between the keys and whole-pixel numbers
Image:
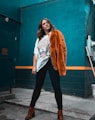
[{"x": 45, "y": 25}]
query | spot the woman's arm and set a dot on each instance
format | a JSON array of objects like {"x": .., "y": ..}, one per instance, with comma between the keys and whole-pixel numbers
[
  {"x": 35, "y": 57},
  {"x": 34, "y": 64}
]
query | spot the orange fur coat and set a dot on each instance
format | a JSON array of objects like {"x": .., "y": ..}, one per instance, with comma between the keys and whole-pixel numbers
[{"x": 58, "y": 52}]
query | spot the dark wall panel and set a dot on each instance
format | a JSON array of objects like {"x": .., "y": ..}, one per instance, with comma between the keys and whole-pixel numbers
[
  {"x": 74, "y": 83},
  {"x": 9, "y": 49}
]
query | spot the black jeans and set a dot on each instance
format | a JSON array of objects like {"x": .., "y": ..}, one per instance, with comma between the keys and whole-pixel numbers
[{"x": 55, "y": 80}]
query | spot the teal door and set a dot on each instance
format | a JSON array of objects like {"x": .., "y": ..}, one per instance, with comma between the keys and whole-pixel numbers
[{"x": 8, "y": 41}]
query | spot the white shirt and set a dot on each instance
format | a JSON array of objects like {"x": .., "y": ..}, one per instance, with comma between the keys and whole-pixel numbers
[{"x": 42, "y": 51}]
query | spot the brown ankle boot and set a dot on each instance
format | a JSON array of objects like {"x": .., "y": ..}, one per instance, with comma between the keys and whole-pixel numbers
[
  {"x": 31, "y": 113},
  {"x": 60, "y": 115}
]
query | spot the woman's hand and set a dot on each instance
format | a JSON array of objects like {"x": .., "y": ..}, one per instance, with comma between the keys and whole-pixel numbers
[
  {"x": 34, "y": 70},
  {"x": 55, "y": 68},
  {"x": 34, "y": 64}
]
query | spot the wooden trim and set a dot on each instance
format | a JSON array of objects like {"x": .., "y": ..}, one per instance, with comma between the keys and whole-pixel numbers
[
  {"x": 78, "y": 68},
  {"x": 68, "y": 67},
  {"x": 23, "y": 67}
]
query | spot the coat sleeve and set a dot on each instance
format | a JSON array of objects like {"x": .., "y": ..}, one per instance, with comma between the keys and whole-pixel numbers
[
  {"x": 61, "y": 54},
  {"x": 53, "y": 50}
]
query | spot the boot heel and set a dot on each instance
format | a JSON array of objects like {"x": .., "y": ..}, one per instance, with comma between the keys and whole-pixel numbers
[
  {"x": 33, "y": 115},
  {"x": 60, "y": 115}
]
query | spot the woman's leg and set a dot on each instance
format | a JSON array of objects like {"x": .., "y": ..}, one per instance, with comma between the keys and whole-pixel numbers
[
  {"x": 55, "y": 79},
  {"x": 40, "y": 77}
]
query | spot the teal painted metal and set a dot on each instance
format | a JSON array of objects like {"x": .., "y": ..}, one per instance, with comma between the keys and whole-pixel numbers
[
  {"x": 8, "y": 62},
  {"x": 10, "y": 9},
  {"x": 4, "y": 73},
  {"x": 25, "y": 3},
  {"x": 90, "y": 19},
  {"x": 7, "y": 36}
]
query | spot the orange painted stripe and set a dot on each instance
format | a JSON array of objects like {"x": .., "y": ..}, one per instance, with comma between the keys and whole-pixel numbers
[
  {"x": 24, "y": 67},
  {"x": 78, "y": 68},
  {"x": 68, "y": 67}
]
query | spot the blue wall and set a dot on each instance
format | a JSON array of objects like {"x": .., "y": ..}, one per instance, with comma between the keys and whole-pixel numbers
[
  {"x": 10, "y": 8},
  {"x": 70, "y": 20},
  {"x": 73, "y": 18},
  {"x": 31, "y": 2}
]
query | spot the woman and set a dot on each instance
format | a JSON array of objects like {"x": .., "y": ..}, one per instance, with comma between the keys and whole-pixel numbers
[{"x": 49, "y": 55}]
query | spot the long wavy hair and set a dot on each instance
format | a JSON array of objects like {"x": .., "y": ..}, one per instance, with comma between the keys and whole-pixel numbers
[{"x": 41, "y": 32}]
